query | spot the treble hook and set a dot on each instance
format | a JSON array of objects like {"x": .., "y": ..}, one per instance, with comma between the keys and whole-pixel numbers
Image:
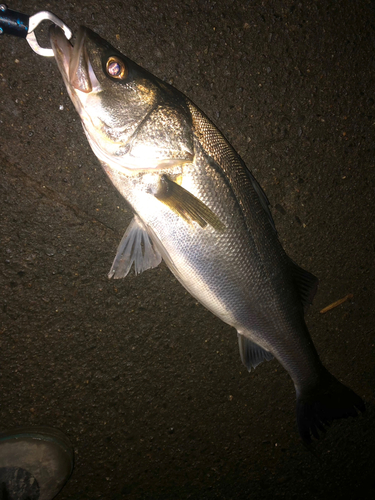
[{"x": 23, "y": 26}]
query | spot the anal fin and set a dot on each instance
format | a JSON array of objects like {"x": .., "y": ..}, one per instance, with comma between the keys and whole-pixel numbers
[
  {"x": 135, "y": 247},
  {"x": 252, "y": 354}
]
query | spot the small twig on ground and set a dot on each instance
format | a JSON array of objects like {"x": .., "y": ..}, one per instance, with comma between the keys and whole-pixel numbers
[{"x": 337, "y": 303}]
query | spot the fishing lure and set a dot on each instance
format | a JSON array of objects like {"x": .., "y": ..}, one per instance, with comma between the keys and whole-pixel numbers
[{"x": 23, "y": 26}]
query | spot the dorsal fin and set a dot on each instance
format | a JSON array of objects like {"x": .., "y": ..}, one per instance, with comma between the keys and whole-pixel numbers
[
  {"x": 219, "y": 149},
  {"x": 262, "y": 196},
  {"x": 305, "y": 282}
]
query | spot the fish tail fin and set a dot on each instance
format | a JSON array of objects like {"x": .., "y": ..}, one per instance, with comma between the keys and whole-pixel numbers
[{"x": 317, "y": 408}]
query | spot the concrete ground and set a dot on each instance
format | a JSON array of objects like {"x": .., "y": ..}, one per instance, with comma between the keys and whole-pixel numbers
[{"x": 144, "y": 381}]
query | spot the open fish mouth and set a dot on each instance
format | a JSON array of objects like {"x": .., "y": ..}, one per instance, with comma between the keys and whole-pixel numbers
[{"x": 73, "y": 61}]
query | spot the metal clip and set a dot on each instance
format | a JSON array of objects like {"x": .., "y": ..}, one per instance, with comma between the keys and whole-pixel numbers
[
  {"x": 34, "y": 21},
  {"x": 22, "y": 25}
]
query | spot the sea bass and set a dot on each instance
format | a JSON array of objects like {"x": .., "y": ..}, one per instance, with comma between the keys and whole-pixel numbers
[{"x": 200, "y": 209}]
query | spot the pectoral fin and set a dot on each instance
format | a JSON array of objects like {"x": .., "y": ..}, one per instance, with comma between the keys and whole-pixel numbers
[
  {"x": 186, "y": 205},
  {"x": 135, "y": 246}
]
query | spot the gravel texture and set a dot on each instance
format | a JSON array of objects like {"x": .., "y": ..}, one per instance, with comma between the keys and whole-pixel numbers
[{"x": 145, "y": 382}]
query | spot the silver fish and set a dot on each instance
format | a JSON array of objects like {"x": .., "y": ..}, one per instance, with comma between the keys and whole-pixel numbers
[{"x": 199, "y": 208}]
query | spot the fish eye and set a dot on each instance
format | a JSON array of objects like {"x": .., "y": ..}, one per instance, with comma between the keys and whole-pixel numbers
[{"x": 116, "y": 68}]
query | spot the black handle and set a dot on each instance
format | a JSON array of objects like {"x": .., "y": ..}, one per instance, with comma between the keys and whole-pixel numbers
[{"x": 13, "y": 23}]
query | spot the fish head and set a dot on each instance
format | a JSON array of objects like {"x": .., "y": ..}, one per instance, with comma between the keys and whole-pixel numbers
[{"x": 113, "y": 96}]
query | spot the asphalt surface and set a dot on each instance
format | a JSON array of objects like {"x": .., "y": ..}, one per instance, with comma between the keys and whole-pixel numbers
[{"x": 145, "y": 382}]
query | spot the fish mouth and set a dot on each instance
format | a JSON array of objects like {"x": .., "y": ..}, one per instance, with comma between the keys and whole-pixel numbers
[{"x": 73, "y": 61}]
